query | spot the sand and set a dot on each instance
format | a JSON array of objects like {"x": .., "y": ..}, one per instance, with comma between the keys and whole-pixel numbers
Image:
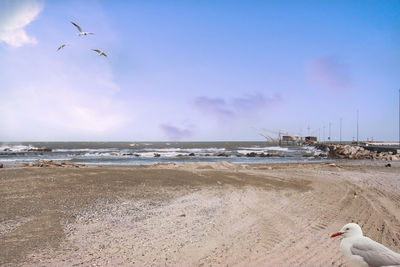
[{"x": 194, "y": 214}]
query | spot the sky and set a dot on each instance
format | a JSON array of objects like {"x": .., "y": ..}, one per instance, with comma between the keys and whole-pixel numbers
[{"x": 199, "y": 70}]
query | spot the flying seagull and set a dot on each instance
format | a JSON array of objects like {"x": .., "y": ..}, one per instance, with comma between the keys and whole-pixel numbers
[
  {"x": 360, "y": 250},
  {"x": 101, "y": 53},
  {"x": 61, "y": 47},
  {"x": 80, "y": 30}
]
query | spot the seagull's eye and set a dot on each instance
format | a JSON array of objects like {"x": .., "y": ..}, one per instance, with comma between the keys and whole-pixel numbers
[{"x": 347, "y": 228}]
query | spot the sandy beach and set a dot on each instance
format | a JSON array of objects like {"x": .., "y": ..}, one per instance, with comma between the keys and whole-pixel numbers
[{"x": 194, "y": 214}]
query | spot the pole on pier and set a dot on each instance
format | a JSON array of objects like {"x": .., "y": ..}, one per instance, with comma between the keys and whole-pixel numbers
[
  {"x": 340, "y": 138},
  {"x": 357, "y": 126},
  {"x": 329, "y": 137},
  {"x": 319, "y": 134}
]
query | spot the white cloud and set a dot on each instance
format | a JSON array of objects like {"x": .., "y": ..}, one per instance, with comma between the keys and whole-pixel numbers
[
  {"x": 50, "y": 96},
  {"x": 14, "y": 17}
]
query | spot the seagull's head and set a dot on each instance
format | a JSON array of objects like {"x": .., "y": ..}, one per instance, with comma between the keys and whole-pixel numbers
[{"x": 349, "y": 230}]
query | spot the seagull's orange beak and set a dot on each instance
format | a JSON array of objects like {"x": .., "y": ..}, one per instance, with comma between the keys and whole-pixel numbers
[{"x": 334, "y": 235}]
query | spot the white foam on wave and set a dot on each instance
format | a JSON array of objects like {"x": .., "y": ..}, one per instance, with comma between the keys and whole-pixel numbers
[
  {"x": 162, "y": 149},
  {"x": 206, "y": 150},
  {"x": 267, "y": 148},
  {"x": 93, "y": 150},
  {"x": 139, "y": 144},
  {"x": 17, "y": 148},
  {"x": 184, "y": 150},
  {"x": 311, "y": 150},
  {"x": 104, "y": 154},
  {"x": 33, "y": 159}
]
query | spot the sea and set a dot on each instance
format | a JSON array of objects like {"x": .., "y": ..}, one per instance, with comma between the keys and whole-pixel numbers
[{"x": 147, "y": 153}]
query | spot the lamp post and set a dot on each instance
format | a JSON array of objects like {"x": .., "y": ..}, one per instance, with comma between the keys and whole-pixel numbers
[
  {"x": 357, "y": 126},
  {"x": 340, "y": 130}
]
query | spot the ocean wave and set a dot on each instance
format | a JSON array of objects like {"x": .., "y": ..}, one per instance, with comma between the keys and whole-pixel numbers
[
  {"x": 17, "y": 148},
  {"x": 33, "y": 159},
  {"x": 187, "y": 150},
  {"x": 263, "y": 149},
  {"x": 93, "y": 150},
  {"x": 147, "y": 154}
]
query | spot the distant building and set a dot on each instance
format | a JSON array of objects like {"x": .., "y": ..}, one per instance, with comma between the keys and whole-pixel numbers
[
  {"x": 310, "y": 139},
  {"x": 290, "y": 140}
]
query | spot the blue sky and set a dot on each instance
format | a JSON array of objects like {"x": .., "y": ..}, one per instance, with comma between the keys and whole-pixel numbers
[{"x": 198, "y": 70}]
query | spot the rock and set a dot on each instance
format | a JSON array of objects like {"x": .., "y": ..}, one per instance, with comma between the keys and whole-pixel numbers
[
  {"x": 1, "y": 165},
  {"x": 50, "y": 163},
  {"x": 156, "y": 155},
  {"x": 388, "y": 165},
  {"x": 192, "y": 155},
  {"x": 251, "y": 154},
  {"x": 41, "y": 149},
  {"x": 222, "y": 155},
  {"x": 356, "y": 152}
]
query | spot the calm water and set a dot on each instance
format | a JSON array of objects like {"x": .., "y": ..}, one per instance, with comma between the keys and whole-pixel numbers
[{"x": 136, "y": 153}]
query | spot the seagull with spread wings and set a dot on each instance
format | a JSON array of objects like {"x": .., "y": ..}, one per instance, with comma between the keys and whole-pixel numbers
[
  {"x": 80, "y": 30},
  {"x": 61, "y": 47},
  {"x": 101, "y": 53}
]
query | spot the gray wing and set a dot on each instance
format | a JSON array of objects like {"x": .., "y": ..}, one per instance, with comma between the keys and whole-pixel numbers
[
  {"x": 375, "y": 254},
  {"x": 77, "y": 26},
  {"x": 97, "y": 50},
  {"x": 61, "y": 47}
]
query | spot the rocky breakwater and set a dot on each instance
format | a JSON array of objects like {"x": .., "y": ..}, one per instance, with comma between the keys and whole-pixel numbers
[{"x": 355, "y": 152}]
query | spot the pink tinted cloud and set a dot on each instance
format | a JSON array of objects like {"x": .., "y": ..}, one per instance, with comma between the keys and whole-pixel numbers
[
  {"x": 254, "y": 102},
  {"x": 244, "y": 106},
  {"x": 175, "y": 133},
  {"x": 213, "y": 106},
  {"x": 329, "y": 73}
]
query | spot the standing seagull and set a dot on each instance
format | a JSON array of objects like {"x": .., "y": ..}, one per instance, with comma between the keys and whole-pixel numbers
[
  {"x": 80, "y": 30},
  {"x": 362, "y": 251},
  {"x": 61, "y": 47},
  {"x": 101, "y": 53}
]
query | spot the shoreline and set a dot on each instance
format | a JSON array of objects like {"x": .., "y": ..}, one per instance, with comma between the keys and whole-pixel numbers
[{"x": 194, "y": 213}]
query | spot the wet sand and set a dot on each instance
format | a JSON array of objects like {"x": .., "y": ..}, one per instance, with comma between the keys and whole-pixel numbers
[{"x": 197, "y": 214}]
